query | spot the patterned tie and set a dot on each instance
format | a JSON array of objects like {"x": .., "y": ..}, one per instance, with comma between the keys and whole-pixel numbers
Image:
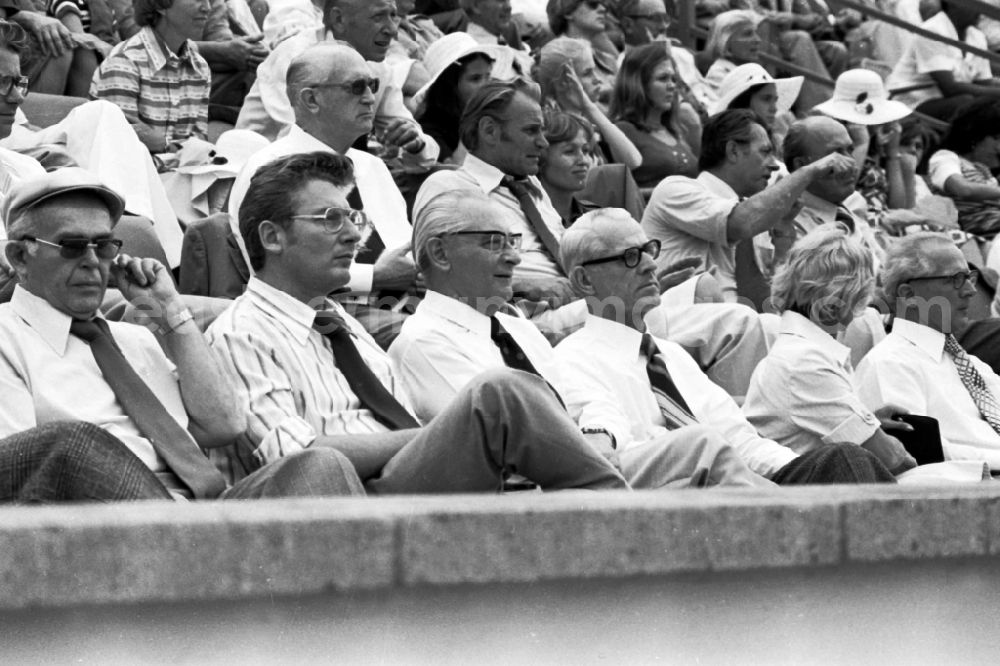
[
  {"x": 172, "y": 442},
  {"x": 974, "y": 383},
  {"x": 366, "y": 386},
  {"x": 522, "y": 190},
  {"x": 672, "y": 405}
]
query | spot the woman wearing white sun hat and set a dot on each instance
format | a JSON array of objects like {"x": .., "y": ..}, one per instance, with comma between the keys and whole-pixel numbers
[
  {"x": 886, "y": 178},
  {"x": 749, "y": 86}
]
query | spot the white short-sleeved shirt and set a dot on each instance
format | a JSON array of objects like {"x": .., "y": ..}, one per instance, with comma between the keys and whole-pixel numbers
[
  {"x": 911, "y": 370},
  {"x": 689, "y": 217},
  {"x": 943, "y": 165},
  {"x": 802, "y": 394},
  {"x": 923, "y": 56}
]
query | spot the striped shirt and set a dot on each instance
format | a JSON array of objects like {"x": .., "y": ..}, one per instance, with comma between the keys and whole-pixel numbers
[
  {"x": 155, "y": 86},
  {"x": 286, "y": 369}
]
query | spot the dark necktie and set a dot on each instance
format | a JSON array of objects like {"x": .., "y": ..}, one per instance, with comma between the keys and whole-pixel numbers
[
  {"x": 675, "y": 410},
  {"x": 172, "y": 442},
  {"x": 513, "y": 356},
  {"x": 843, "y": 216},
  {"x": 974, "y": 383},
  {"x": 522, "y": 191},
  {"x": 366, "y": 386},
  {"x": 369, "y": 252}
]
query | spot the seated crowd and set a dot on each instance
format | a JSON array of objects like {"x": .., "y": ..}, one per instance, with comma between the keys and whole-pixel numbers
[{"x": 350, "y": 247}]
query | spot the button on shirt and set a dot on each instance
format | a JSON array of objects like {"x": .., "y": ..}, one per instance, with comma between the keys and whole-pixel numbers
[
  {"x": 384, "y": 205},
  {"x": 802, "y": 394},
  {"x": 689, "y": 217},
  {"x": 150, "y": 83},
  {"x": 48, "y": 375},
  {"x": 286, "y": 368},
  {"x": 911, "y": 370},
  {"x": 607, "y": 387},
  {"x": 446, "y": 343},
  {"x": 477, "y": 174}
]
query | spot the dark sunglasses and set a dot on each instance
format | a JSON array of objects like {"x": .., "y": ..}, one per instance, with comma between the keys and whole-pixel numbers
[
  {"x": 74, "y": 248},
  {"x": 631, "y": 256},
  {"x": 595, "y": 4},
  {"x": 355, "y": 87}
]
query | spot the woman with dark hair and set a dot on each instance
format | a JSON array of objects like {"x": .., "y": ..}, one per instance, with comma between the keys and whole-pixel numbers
[
  {"x": 962, "y": 167},
  {"x": 646, "y": 108},
  {"x": 586, "y": 20},
  {"x": 750, "y": 86},
  {"x": 458, "y": 66}
]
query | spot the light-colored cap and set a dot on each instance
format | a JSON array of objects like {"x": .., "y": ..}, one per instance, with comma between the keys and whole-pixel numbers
[
  {"x": 30, "y": 192},
  {"x": 751, "y": 74},
  {"x": 860, "y": 97},
  {"x": 448, "y": 50}
]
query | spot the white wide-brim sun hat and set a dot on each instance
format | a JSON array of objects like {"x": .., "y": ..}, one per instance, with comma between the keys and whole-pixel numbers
[
  {"x": 448, "y": 50},
  {"x": 751, "y": 74},
  {"x": 860, "y": 97}
]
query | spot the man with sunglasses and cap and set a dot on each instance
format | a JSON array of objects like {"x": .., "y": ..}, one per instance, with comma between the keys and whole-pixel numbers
[
  {"x": 98, "y": 410},
  {"x": 315, "y": 379},
  {"x": 467, "y": 247},
  {"x": 921, "y": 367},
  {"x": 638, "y": 388}
]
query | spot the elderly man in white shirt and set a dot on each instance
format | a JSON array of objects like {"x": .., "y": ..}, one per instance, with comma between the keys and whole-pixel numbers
[
  {"x": 920, "y": 366},
  {"x": 467, "y": 249},
  {"x": 330, "y": 89},
  {"x": 370, "y": 27},
  {"x": 730, "y": 200},
  {"x": 640, "y": 388}
]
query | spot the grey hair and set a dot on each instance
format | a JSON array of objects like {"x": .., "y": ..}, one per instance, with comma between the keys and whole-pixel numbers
[
  {"x": 909, "y": 257},
  {"x": 444, "y": 214},
  {"x": 827, "y": 275},
  {"x": 317, "y": 60},
  {"x": 723, "y": 27},
  {"x": 592, "y": 235},
  {"x": 552, "y": 57}
]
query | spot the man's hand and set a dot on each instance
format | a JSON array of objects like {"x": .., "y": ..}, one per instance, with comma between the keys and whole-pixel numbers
[
  {"x": 403, "y": 133},
  {"x": 143, "y": 280},
  {"x": 394, "y": 270},
  {"x": 677, "y": 272},
  {"x": 536, "y": 295},
  {"x": 887, "y": 416},
  {"x": 602, "y": 444},
  {"x": 88, "y": 41},
  {"x": 244, "y": 53},
  {"x": 887, "y": 448},
  {"x": 833, "y": 166},
  {"x": 54, "y": 37}
]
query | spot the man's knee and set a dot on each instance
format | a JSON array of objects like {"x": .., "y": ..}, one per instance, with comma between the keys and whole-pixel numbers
[
  {"x": 706, "y": 439},
  {"x": 326, "y": 470}
]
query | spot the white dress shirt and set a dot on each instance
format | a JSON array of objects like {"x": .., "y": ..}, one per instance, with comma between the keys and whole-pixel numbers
[
  {"x": 689, "y": 217},
  {"x": 383, "y": 202},
  {"x": 48, "y": 374},
  {"x": 802, "y": 394},
  {"x": 268, "y": 111},
  {"x": 911, "y": 370},
  {"x": 286, "y": 369},
  {"x": 288, "y": 17},
  {"x": 477, "y": 174},
  {"x": 607, "y": 387},
  {"x": 446, "y": 343}
]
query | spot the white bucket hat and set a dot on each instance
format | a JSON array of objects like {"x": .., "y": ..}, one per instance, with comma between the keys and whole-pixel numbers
[
  {"x": 860, "y": 97},
  {"x": 751, "y": 74},
  {"x": 448, "y": 50}
]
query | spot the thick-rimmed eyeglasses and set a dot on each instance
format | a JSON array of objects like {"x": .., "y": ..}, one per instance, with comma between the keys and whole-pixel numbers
[
  {"x": 498, "y": 240},
  {"x": 74, "y": 248},
  {"x": 333, "y": 219},
  {"x": 356, "y": 87},
  {"x": 958, "y": 280},
  {"x": 632, "y": 256},
  {"x": 9, "y": 83}
]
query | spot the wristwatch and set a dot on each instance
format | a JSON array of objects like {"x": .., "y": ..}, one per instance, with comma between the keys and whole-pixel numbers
[{"x": 601, "y": 431}]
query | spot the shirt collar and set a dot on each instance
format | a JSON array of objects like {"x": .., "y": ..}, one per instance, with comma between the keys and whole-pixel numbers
[
  {"x": 456, "y": 312},
  {"x": 292, "y": 314},
  {"x": 924, "y": 338},
  {"x": 305, "y": 142},
  {"x": 819, "y": 208},
  {"x": 792, "y": 323},
  {"x": 488, "y": 176},
  {"x": 50, "y": 324},
  {"x": 717, "y": 186},
  {"x": 618, "y": 339},
  {"x": 159, "y": 53}
]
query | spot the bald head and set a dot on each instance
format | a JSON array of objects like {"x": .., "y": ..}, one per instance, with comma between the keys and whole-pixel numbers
[
  {"x": 318, "y": 64},
  {"x": 813, "y": 138}
]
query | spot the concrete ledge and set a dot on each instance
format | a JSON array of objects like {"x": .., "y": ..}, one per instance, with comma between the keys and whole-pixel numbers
[{"x": 162, "y": 552}]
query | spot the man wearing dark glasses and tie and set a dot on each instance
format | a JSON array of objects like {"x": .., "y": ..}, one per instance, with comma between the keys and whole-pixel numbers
[{"x": 98, "y": 410}]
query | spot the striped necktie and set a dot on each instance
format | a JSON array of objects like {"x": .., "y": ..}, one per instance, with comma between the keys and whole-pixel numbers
[
  {"x": 974, "y": 383},
  {"x": 672, "y": 405}
]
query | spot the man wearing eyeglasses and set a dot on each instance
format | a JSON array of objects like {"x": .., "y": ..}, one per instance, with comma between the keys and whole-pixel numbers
[
  {"x": 920, "y": 366},
  {"x": 332, "y": 93},
  {"x": 315, "y": 379},
  {"x": 154, "y": 398},
  {"x": 639, "y": 389}
]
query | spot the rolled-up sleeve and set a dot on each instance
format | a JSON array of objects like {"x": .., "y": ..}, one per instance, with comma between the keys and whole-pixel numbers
[{"x": 685, "y": 205}]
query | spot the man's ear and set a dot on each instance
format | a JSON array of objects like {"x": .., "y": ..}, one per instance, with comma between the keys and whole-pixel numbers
[
  {"x": 734, "y": 151},
  {"x": 16, "y": 254},
  {"x": 334, "y": 20},
  {"x": 272, "y": 237},
  {"x": 489, "y": 130},
  {"x": 306, "y": 99},
  {"x": 580, "y": 281},
  {"x": 904, "y": 290},
  {"x": 437, "y": 253}
]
